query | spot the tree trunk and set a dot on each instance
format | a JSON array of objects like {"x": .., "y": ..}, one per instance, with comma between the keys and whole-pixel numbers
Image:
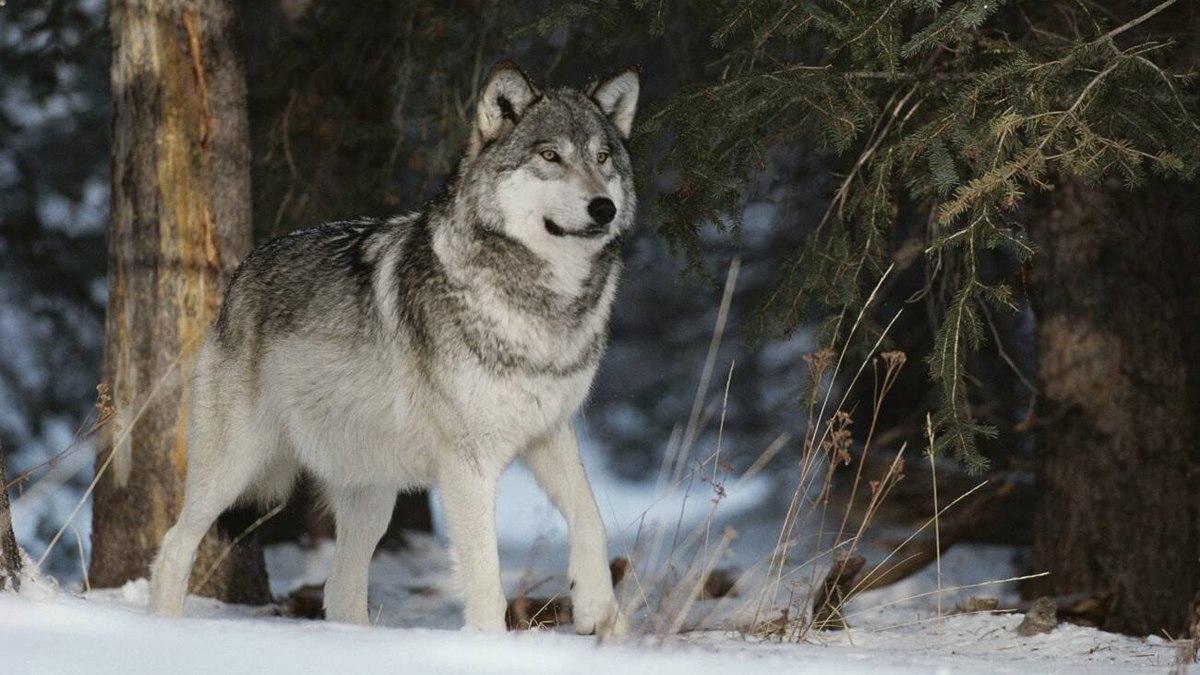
[
  {"x": 10, "y": 555},
  {"x": 1113, "y": 287},
  {"x": 181, "y": 221}
]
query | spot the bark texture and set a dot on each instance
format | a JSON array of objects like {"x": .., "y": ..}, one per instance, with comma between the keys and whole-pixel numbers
[
  {"x": 10, "y": 555},
  {"x": 1113, "y": 287},
  {"x": 181, "y": 221}
]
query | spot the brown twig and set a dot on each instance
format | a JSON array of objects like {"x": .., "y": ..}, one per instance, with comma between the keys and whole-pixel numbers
[{"x": 1121, "y": 29}]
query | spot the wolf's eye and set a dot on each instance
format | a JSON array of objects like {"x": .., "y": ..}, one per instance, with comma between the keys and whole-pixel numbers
[
  {"x": 601, "y": 157},
  {"x": 549, "y": 155}
]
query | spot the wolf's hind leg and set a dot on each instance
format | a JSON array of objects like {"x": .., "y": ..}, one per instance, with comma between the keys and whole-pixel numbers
[
  {"x": 362, "y": 515},
  {"x": 217, "y": 475},
  {"x": 558, "y": 469}
]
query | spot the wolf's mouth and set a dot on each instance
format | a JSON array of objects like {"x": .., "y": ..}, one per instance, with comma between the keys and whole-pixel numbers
[{"x": 590, "y": 232}]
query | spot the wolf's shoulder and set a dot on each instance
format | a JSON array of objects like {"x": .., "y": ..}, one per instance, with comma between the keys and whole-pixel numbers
[
  {"x": 331, "y": 237},
  {"x": 338, "y": 231}
]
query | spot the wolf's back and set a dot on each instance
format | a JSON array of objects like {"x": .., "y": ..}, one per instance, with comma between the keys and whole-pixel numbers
[{"x": 314, "y": 283}]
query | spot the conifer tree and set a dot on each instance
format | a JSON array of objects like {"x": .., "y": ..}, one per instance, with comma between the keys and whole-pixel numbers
[{"x": 963, "y": 115}]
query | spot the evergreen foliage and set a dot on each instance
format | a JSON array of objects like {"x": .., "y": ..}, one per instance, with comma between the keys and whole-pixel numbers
[{"x": 961, "y": 108}]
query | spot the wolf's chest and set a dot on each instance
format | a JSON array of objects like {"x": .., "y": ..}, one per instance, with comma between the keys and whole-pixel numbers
[{"x": 514, "y": 409}]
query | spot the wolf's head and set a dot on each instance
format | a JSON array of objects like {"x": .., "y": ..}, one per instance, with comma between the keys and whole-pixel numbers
[{"x": 549, "y": 168}]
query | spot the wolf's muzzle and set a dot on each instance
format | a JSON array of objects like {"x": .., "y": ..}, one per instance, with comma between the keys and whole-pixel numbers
[{"x": 590, "y": 232}]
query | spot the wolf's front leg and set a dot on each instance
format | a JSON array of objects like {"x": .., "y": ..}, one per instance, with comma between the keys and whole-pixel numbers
[
  {"x": 469, "y": 504},
  {"x": 559, "y": 470}
]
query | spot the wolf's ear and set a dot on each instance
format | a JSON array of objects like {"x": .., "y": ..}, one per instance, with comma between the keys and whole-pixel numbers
[
  {"x": 505, "y": 96},
  {"x": 617, "y": 97}
]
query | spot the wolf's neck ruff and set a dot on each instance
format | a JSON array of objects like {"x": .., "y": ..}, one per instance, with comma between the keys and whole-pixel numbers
[
  {"x": 528, "y": 283},
  {"x": 507, "y": 306}
]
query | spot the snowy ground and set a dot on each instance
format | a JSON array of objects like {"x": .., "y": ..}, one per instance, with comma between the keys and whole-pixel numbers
[
  {"x": 46, "y": 632},
  {"x": 897, "y": 629}
]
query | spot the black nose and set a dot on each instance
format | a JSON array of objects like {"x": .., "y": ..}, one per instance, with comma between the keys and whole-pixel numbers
[{"x": 602, "y": 210}]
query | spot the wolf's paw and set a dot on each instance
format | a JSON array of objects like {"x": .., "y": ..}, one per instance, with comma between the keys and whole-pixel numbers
[
  {"x": 485, "y": 626},
  {"x": 165, "y": 604},
  {"x": 486, "y": 614},
  {"x": 599, "y": 615}
]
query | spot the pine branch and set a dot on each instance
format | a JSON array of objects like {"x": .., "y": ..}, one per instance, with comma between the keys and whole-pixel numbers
[
  {"x": 968, "y": 118},
  {"x": 1136, "y": 22}
]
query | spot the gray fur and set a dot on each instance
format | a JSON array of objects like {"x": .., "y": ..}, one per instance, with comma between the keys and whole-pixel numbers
[{"x": 429, "y": 349}]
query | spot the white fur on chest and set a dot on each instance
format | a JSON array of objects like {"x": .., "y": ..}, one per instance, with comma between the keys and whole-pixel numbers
[{"x": 499, "y": 416}]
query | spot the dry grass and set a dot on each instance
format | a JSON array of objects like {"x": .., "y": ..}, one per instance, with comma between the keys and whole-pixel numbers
[{"x": 796, "y": 587}]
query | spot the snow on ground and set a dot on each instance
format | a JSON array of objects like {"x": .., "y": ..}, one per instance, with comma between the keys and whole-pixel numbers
[
  {"x": 897, "y": 629},
  {"x": 110, "y": 632}
]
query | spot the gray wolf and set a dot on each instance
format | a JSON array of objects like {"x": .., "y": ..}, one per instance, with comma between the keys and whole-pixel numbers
[{"x": 428, "y": 349}]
